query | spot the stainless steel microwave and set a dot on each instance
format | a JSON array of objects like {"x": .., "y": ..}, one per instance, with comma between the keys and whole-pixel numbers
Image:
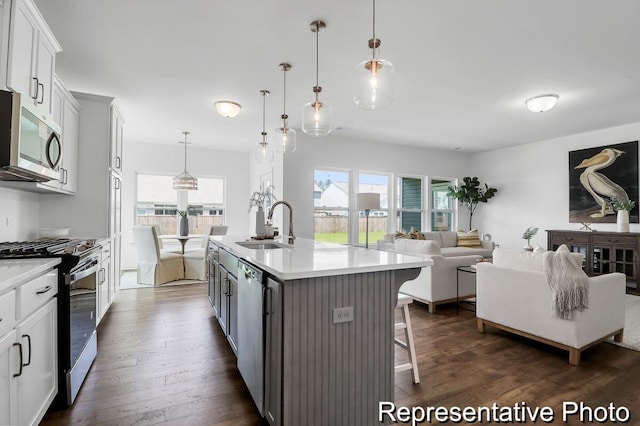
[{"x": 30, "y": 146}]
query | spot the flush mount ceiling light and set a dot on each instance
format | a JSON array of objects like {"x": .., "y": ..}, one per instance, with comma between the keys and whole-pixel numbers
[
  {"x": 542, "y": 103},
  {"x": 373, "y": 78},
  {"x": 264, "y": 152},
  {"x": 286, "y": 136},
  {"x": 185, "y": 182},
  {"x": 228, "y": 108},
  {"x": 316, "y": 116}
]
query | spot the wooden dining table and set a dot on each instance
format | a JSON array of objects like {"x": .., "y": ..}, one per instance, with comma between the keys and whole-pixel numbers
[{"x": 182, "y": 238}]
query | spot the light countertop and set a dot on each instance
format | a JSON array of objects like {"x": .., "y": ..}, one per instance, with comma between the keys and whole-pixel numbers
[
  {"x": 14, "y": 272},
  {"x": 309, "y": 258}
]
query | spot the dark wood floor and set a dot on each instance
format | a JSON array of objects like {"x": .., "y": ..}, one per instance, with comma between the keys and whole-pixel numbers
[{"x": 163, "y": 360}]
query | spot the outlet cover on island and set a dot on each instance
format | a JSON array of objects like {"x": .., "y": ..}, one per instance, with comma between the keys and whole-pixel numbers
[{"x": 342, "y": 314}]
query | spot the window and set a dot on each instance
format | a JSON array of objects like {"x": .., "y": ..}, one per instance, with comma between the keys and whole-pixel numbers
[
  {"x": 442, "y": 207},
  {"x": 156, "y": 203},
  {"x": 331, "y": 206},
  {"x": 409, "y": 203},
  {"x": 378, "y": 219}
]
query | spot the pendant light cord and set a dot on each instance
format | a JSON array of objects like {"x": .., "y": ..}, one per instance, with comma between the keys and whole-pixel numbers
[
  {"x": 185, "y": 150},
  {"x": 317, "y": 59},
  {"x": 374, "y": 29},
  {"x": 284, "y": 97},
  {"x": 264, "y": 98}
]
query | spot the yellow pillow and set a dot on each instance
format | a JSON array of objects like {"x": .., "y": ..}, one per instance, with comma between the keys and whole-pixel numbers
[{"x": 468, "y": 239}]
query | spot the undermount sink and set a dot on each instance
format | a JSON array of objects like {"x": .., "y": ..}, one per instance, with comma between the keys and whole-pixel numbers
[{"x": 258, "y": 245}]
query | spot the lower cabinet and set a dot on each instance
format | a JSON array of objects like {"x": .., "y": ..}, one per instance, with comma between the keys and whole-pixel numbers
[
  {"x": 105, "y": 279},
  {"x": 9, "y": 358},
  {"x": 273, "y": 353},
  {"x": 232, "y": 322},
  {"x": 223, "y": 293}
]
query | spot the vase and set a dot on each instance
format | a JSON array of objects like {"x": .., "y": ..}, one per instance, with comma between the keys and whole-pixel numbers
[
  {"x": 183, "y": 228},
  {"x": 622, "y": 224},
  {"x": 528, "y": 246},
  {"x": 260, "y": 228}
]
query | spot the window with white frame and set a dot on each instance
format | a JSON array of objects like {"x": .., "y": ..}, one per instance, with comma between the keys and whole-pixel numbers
[
  {"x": 157, "y": 203},
  {"x": 409, "y": 203},
  {"x": 443, "y": 210},
  {"x": 331, "y": 206},
  {"x": 379, "y": 218}
]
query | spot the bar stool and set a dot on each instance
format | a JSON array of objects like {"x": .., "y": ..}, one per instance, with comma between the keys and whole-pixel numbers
[{"x": 403, "y": 305}]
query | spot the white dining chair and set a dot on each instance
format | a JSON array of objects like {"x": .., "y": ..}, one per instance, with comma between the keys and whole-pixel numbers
[{"x": 155, "y": 267}]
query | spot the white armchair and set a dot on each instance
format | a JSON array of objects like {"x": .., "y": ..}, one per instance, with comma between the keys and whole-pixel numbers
[
  {"x": 155, "y": 267},
  {"x": 513, "y": 295},
  {"x": 437, "y": 284}
]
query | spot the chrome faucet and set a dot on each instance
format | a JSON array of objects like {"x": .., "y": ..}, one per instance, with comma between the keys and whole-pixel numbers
[{"x": 291, "y": 236}]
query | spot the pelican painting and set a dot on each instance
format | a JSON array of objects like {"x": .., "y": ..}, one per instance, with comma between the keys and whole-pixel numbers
[
  {"x": 599, "y": 175},
  {"x": 597, "y": 184}
]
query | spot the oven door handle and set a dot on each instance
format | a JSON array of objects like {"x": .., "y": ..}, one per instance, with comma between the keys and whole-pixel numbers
[{"x": 85, "y": 272}]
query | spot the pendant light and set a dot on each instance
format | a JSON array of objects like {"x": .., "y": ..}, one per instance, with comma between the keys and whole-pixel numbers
[
  {"x": 264, "y": 151},
  {"x": 286, "y": 136},
  {"x": 316, "y": 116},
  {"x": 185, "y": 182},
  {"x": 373, "y": 78}
]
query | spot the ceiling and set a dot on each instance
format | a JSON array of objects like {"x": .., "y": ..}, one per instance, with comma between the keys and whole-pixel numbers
[{"x": 463, "y": 69}]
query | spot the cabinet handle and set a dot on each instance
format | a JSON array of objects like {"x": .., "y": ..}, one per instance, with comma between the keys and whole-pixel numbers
[
  {"x": 225, "y": 287},
  {"x": 118, "y": 162},
  {"x": 37, "y": 87},
  {"x": 41, "y": 101},
  {"x": 117, "y": 183},
  {"x": 266, "y": 295},
  {"x": 44, "y": 290},
  {"x": 19, "y": 373},
  {"x": 28, "y": 340}
]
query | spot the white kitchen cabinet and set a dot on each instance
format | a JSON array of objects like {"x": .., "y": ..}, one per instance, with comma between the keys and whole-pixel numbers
[
  {"x": 31, "y": 55},
  {"x": 95, "y": 209},
  {"x": 66, "y": 112},
  {"x": 105, "y": 296},
  {"x": 28, "y": 350},
  {"x": 116, "y": 140}
]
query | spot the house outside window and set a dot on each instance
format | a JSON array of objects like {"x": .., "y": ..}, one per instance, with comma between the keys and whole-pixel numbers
[
  {"x": 156, "y": 203},
  {"x": 378, "y": 219},
  {"x": 409, "y": 205},
  {"x": 331, "y": 207},
  {"x": 443, "y": 212}
]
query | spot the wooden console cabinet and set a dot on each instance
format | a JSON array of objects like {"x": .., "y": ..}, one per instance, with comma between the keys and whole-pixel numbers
[{"x": 604, "y": 252}]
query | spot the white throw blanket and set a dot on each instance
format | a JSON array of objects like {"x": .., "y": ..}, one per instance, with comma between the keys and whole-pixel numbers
[{"x": 567, "y": 281}]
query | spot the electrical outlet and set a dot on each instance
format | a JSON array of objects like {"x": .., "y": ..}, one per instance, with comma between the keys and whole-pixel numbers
[{"x": 342, "y": 314}]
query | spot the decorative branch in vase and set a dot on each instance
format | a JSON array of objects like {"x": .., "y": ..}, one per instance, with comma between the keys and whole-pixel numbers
[
  {"x": 262, "y": 200},
  {"x": 528, "y": 234},
  {"x": 183, "y": 223},
  {"x": 623, "y": 207}
]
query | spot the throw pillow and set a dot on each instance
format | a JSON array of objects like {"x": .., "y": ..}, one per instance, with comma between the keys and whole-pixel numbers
[
  {"x": 415, "y": 234},
  {"x": 418, "y": 246},
  {"x": 468, "y": 239},
  {"x": 402, "y": 234}
]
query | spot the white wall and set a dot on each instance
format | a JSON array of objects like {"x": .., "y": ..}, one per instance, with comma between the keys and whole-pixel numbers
[
  {"x": 256, "y": 171},
  {"x": 337, "y": 152},
  {"x": 533, "y": 185},
  {"x": 22, "y": 210},
  {"x": 165, "y": 159}
]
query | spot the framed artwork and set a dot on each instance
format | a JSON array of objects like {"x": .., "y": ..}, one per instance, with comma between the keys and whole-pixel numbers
[{"x": 599, "y": 175}]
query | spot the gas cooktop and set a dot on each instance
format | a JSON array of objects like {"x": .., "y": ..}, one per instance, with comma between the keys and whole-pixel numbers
[{"x": 46, "y": 247}]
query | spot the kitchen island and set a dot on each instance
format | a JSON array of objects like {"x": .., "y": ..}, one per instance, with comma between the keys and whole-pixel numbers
[{"x": 328, "y": 321}]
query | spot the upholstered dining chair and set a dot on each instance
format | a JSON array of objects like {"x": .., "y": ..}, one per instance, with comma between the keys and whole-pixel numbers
[
  {"x": 155, "y": 267},
  {"x": 218, "y": 230}
]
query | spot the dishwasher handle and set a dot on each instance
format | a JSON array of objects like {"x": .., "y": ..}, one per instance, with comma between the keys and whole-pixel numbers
[{"x": 249, "y": 273}]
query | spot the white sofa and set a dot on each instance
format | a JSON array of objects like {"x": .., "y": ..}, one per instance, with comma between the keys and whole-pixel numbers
[
  {"x": 513, "y": 295},
  {"x": 437, "y": 284},
  {"x": 448, "y": 244}
]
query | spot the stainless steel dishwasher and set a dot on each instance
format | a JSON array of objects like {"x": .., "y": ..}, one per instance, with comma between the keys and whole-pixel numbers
[{"x": 251, "y": 330}]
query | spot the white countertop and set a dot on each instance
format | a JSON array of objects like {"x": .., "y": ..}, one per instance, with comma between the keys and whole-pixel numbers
[
  {"x": 14, "y": 272},
  {"x": 309, "y": 258}
]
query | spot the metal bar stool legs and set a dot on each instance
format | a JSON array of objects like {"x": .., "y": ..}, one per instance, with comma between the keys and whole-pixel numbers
[{"x": 403, "y": 305}]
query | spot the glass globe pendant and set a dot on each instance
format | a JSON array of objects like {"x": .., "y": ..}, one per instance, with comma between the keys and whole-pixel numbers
[
  {"x": 374, "y": 80},
  {"x": 264, "y": 151},
  {"x": 285, "y": 136},
  {"x": 316, "y": 116}
]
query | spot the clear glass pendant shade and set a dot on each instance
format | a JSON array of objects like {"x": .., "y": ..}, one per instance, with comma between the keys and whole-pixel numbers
[
  {"x": 285, "y": 140},
  {"x": 374, "y": 84},
  {"x": 316, "y": 119},
  {"x": 264, "y": 152}
]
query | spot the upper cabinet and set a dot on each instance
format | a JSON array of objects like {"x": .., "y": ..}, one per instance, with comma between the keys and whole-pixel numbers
[
  {"x": 115, "y": 139},
  {"x": 31, "y": 55}
]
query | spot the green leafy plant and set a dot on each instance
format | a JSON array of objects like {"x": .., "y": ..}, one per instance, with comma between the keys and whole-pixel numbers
[
  {"x": 622, "y": 205},
  {"x": 258, "y": 198},
  {"x": 470, "y": 194},
  {"x": 529, "y": 233}
]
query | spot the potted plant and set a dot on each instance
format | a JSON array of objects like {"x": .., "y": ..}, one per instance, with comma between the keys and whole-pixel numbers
[
  {"x": 183, "y": 223},
  {"x": 622, "y": 207},
  {"x": 470, "y": 193},
  {"x": 261, "y": 200},
  {"x": 528, "y": 235}
]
